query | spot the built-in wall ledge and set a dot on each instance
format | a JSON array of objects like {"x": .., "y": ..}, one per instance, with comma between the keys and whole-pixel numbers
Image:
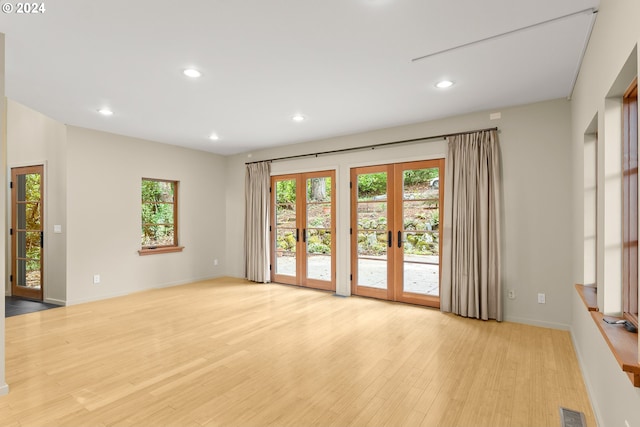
[
  {"x": 622, "y": 343},
  {"x": 589, "y": 296}
]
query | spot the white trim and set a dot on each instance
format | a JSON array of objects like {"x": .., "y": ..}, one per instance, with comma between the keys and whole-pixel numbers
[
  {"x": 540, "y": 323},
  {"x": 586, "y": 378},
  {"x": 4, "y": 390},
  {"x": 55, "y": 301},
  {"x": 125, "y": 293}
]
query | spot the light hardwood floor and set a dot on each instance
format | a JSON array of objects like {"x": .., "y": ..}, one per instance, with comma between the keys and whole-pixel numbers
[{"x": 229, "y": 353}]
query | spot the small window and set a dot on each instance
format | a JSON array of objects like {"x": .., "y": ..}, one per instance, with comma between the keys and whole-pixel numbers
[{"x": 159, "y": 216}]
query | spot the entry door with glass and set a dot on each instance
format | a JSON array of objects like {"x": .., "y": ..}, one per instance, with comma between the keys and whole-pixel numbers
[
  {"x": 396, "y": 220},
  {"x": 303, "y": 229},
  {"x": 27, "y": 232}
]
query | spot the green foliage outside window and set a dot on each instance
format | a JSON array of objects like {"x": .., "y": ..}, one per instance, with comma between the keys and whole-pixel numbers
[
  {"x": 158, "y": 213},
  {"x": 29, "y": 220},
  {"x": 371, "y": 185}
]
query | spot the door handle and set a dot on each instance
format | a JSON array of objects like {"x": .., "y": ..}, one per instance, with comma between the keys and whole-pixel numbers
[
  {"x": 42, "y": 239},
  {"x": 297, "y": 234},
  {"x": 389, "y": 238},
  {"x": 399, "y": 239},
  {"x": 304, "y": 235}
]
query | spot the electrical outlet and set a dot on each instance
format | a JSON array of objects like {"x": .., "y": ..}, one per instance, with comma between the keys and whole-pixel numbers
[
  {"x": 541, "y": 299},
  {"x": 511, "y": 294},
  {"x": 96, "y": 279},
  {"x": 215, "y": 262}
]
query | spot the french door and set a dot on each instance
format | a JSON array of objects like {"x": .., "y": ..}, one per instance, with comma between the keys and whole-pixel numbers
[
  {"x": 303, "y": 229},
  {"x": 27, "y": 232},
  {"x": 396, "y": 213}
]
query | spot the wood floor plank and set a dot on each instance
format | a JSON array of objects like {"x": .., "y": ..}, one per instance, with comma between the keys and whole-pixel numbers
[{"x": 227, "y": 352}]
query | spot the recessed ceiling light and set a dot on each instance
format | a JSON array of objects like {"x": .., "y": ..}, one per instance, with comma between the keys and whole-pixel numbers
[
  {"x": 192, "y": 72},
  {"x": 443, "y": 84},
  {"x": 105, "y": 112},
  {"x": 298, "y": 118},
  {"x": 214, "y": 137}
]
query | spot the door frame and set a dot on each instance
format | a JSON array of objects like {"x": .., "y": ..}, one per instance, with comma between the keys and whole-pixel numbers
[
  {"x": 366, "y": 291},
  {"x": 301, "y": 279},
  {"x": 395, "y": 260},
  {"x": 21, "y": 291},
  {"x": 399, "y": 293}
]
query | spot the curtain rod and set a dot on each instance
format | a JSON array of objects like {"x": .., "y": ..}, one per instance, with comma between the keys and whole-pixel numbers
[{"x": 372, "y": 146}]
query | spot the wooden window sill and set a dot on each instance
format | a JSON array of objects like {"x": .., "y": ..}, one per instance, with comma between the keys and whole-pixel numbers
[
  {"x": 622, "y": 343},
  {"x": 163, "y": 250},
  {"x": 589, "y": 296}
]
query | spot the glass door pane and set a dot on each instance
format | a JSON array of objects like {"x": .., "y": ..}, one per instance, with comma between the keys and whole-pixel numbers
[
  {"x": 318, "y": 228},
  {"x": 286, "y": 230},
  {"x": 372, "y": 236},
  {"x": 420, "y": 231}
]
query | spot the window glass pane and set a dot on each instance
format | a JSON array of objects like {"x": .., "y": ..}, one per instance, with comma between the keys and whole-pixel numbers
[
  {"x": 372, "y": 186},
  {"x": 157, "y": 191},
  {"x": 286, "y": 191},
  {"x": 318, "y": 241},
  {"x": 286, "y": 215},
  {"x": 421, "y": 215},
  {"x": 372, "y": 216},
  {"x": 286, "y": 252},
  {"x": 420, "y": 184},
  {"x": 28, "y": 187},
  {"x": 319, "y": 267},
  {"x": 319, "y": 189},
  {"x": 28, "y": 244},
  {"x": 319, "y": 215},
  {"x": 28, "y": 273},
  {"x": 157, "y": 235},
  {"x": 32, "y": 216}
]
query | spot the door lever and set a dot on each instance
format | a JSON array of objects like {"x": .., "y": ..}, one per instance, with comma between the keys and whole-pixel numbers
[
  {"x": 399, "y": 239},
  {"x": 297, "y": 234},
  {"x": 42, "y": 239},
  {"x": 389, "y": 238}
]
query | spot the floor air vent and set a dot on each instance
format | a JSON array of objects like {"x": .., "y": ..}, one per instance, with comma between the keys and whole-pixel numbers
[{"x": 570, "y": 418}]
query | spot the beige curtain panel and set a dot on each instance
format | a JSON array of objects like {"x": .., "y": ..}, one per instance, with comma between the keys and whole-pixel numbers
[
  {"x": 471, "y": 273},
  {"x": 256, "y": 226}
]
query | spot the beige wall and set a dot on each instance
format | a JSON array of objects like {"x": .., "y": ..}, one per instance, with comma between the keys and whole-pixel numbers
[
  {"x": 34, "y": 139},
  {"x": 604, "y": 72},
  {"x": 537, "y": 198},
  {"x": 104, "y": 173}
]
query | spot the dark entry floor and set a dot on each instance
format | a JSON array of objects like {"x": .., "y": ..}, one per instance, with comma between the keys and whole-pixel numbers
[{"x": 14, "y": 306}]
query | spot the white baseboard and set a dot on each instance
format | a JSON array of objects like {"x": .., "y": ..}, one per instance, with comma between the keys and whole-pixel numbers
[
  {"x": 4, "y": 389},
  {"x": 55, "y": 301},
  {"x": 97, "y": 298},
  {"x": 185, "y": 282},
  {"x": 540, "y": 323},
  {"x": 121, "y": 294},
  {"x": 586, "y": 378}
]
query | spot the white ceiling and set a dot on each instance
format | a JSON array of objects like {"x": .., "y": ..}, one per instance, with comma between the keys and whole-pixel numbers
[{"x": 344, "y": 64}]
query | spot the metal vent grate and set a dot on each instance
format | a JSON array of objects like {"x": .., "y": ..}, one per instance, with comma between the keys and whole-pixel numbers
[{"x": 570, "y": 418}]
